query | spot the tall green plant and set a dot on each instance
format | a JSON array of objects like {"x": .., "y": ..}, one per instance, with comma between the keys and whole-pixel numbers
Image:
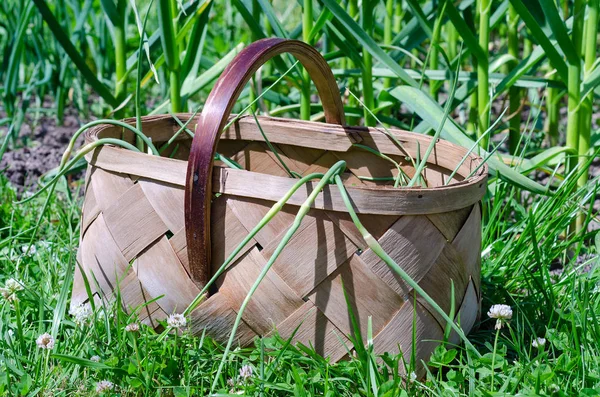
[
  {"x": 167, "y": 11},
  {"x": 553, "y": 102},
  {"x": 12, "y": 60},
  {"x": 192, "y": 27},
  {"x": 353, "y": 12},
  {"x": 434, "y": 51},
  {"x": 16, "y": 97},
  {"x": 388, "y": 25},
  {"x": 78, "y": 60},
  {"x": 514, "y": 93},
  {"x": 574, "y": 82},
  {"x": 307, "y": 25},
  {"x": 366, "y": 15},
  {"x": 484, "y": 8},
  {"x": 256, "y": 16},
  {"x": 589, "y": 48},
  {"x": 116, "y": 13}
]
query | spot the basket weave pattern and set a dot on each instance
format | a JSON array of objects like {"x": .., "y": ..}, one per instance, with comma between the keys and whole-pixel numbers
[{"x": 135, "y": 213}]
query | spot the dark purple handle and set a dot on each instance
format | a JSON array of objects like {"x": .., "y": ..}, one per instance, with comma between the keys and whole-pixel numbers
[{"x": 213, "y": 119}]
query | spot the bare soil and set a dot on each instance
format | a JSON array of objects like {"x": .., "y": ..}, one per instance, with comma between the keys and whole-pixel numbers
[{"x": 41, "y": 144}]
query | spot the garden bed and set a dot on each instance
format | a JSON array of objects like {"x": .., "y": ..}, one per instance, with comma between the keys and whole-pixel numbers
[{"x": 43, "y": 143}]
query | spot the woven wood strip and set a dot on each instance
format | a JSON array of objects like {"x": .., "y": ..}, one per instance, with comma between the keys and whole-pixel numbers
[
  {"x": 90, "y": 209},
  {"x": 311, "y": 327},
  {"x": 298, "y": 159},
  {"x": 414, "y": 244},
  {"x": 368, "y": 295},
  {"x": 450, "y": 223},
  {"x": 216, "y": 317},
  {"x": 179, "y": 245},
  {"x": 136, "y": 296},
  {"x": 149, "y": 270},
  {"x": 262, "y": 313},
  {"x": 102, "y": 257},
  {"x": 377, "y": 225},
  {"x": 250, "y": 212},
  {"x": 397, "y": 337},
  {"x": 108, "y": 187},
  {"x": 256, "y": 157},
  {"x": 305, "y": 272},
  {"x": 228, "y": 232},
  {"x": 164, "y": 199},
  {"x": 467, "y": 238},
  {"x": 363, "y": 163},
  {"x": 449, "y": 268},
  {"x": 130, "y": 213},
  {"x": 302, "y": 133},
  {"x": 133, "y": 211},
  {"x": 468, "y": 312},
  {"x": 79, "y": 293},
  {"x": 155, "y": 316}
]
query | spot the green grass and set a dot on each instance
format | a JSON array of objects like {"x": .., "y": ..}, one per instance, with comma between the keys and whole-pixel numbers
[
  {"x": 523, "y": 241},
  {"x": 87, "y": 54}
]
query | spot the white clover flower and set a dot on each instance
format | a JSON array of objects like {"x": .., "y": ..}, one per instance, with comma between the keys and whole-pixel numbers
[
  {"x": 538, "y": 343},
  {"x": 176, "y": 320},
  {"x": 95, "y": 359},
  {"x": 245, "y": 372},
  {"x": 27, "y": 250},
  {"x": 502, "y": 313},
  {"x": 82, "y": 314},
  {"x": 133, "y": 327},
  {"x": 11, "y": 287},
  {"x": 104, "y": 385},
  {"x": 45, "y": 341},
  {"x": 6, "y": 294},
  {"x": 413, "y": 376}
]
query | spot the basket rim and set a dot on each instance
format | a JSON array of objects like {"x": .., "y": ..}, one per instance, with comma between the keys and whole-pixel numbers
[
  {"x": 444, "y": 198},
  {"x": 93, "y": 133}
]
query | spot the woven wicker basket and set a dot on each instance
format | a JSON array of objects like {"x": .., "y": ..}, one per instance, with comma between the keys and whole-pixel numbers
[{"x": 177, "y": 219}]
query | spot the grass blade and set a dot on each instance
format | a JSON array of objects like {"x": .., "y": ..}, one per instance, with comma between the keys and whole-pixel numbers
[
  {"x": 559, "y": 29},
  {"x": 465, "y": 33},
  {"x": 534, "y": 27},
  {"x": 431, "y": 112},
  {"x": 73, "y": 54},
  {"x": 367, "y": 42},
  {"x": 203, "y": 80}
]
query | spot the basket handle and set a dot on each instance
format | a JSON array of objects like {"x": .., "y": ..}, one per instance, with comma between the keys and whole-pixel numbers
[{"x": 212, "y": 121}]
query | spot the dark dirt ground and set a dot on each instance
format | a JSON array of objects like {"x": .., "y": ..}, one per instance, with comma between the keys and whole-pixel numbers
[{"x": 42, "y": 143}]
